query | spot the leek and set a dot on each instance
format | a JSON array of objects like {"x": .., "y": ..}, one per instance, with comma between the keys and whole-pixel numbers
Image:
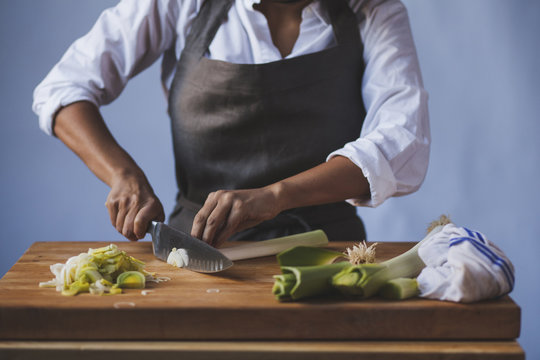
[
  {"x": 306, "y": 271},
  {"x": 307, "y": 256},
  {"x": 399, "y": 289},
  {"x": 366, "y": 280},
  {"x": 274, "y": 246},
  {"x": 299, "y": 282}
]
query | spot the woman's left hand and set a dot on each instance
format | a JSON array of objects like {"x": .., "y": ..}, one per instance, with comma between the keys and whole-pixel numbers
[{"x": 226, "y": 212}]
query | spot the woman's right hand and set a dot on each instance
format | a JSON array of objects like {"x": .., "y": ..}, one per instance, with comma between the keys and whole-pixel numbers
[{"x": 132, "y": 205}]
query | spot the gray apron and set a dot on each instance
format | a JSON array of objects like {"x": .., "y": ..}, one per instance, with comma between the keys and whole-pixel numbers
[{"x": 241, "y": 126}]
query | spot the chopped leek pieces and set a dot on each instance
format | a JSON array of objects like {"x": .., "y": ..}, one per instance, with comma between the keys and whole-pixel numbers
[
  {"x": 106, "y": 270},
  {"x": 131, "y": 280}
]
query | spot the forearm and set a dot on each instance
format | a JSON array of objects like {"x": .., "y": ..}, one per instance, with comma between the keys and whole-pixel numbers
[
  {"x": 81, "y": 127},
  {"x": 226, "y": 212},
  {"x": 335, "y": 180},
  {"x": 131, "y": 202}
]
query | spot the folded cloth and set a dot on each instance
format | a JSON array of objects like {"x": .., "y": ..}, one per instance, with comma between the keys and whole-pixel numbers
[{"x": 463, "y": 266}]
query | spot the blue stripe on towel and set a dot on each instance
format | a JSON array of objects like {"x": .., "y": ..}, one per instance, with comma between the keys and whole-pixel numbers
[
  {"x": 490, "y": 255},
  {"x": 475, "y": 234}
]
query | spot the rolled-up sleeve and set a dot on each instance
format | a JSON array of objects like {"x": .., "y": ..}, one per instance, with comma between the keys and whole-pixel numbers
[
  {"x": 125, "y": 40},
  {"x": 393, "y": 147}
]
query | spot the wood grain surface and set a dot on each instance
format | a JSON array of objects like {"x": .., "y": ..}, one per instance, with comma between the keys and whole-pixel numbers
[{"x": 235, "y": 304}]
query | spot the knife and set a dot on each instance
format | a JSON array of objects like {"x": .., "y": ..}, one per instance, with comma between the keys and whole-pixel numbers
[{"x": 201, "y": 256}]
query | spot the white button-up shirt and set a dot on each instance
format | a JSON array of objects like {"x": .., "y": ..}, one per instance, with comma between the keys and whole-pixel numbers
[{"x": 393, "y": 147}]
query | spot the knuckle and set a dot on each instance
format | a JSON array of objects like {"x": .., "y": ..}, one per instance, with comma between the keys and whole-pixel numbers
[
  {"x": 111, "y": 201},
  {"x": 199, "y": 219},
  {"x": 228, "y": 195},
  {"x": 211, "y": 221},
  {"x": 220, "y": 192},
  {"x": 122, "y": 202},
  {"x": 238, "y": 204},
  {"x": 133, "y": 198}
]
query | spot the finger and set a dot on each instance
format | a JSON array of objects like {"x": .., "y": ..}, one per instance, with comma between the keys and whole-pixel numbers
[
  {"x": 216, "y": 221},
  {"x": 222, "y": 237},
  {"x": 112, "y": 207},
  {"x": 235, "y": 220},
  {"x": 127, "y": 229},
  {"x": 121, "y": 216},
  {"x": 199, "y": 222},
  {"x": 239, "y": 219},
  {"x": 149, "y": 212}
]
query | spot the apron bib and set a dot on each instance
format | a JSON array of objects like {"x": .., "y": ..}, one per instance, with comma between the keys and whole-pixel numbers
[{"x": 240, "y": 126}]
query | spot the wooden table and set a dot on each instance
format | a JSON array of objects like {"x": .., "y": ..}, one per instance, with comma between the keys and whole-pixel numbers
[{"x": 233, "y": 315}]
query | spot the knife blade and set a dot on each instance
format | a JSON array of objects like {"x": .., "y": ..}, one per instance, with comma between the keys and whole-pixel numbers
[{"x": 201, "y": 256}]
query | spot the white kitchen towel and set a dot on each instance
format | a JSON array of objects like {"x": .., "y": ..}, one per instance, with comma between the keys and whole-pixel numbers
[{"x": 463, "y": 266}]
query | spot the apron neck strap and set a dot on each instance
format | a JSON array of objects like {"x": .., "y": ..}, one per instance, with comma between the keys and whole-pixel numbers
[
  {"x": 213, "y": 12},
  {"x": 344, "y": 22},
  {"x": 206, "y": 24}
]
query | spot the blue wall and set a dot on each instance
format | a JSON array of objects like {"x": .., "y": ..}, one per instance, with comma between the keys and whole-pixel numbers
[{"x": 479, "y": 60}]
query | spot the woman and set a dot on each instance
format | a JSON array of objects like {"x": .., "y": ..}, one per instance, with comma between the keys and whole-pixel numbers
[{"x": 280, "y": 111}]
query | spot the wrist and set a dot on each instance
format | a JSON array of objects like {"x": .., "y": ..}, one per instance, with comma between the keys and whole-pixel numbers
[
  {"x": 280, "y": 195},
  {"x": 130, "y": 175}
]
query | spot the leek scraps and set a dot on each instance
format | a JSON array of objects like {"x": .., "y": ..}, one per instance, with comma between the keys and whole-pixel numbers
[{"x": 99, "y": 271}]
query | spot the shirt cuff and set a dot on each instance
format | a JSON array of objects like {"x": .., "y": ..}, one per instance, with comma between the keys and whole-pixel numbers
[
  {"x": 47, "y": 110},
  {"x": 375, "y": 167}
]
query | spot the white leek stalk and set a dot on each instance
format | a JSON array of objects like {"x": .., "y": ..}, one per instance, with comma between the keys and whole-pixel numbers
[{"x": 275, "y": 246}]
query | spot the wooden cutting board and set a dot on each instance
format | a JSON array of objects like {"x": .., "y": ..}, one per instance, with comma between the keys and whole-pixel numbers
[{"x": 234, "y": 304}]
